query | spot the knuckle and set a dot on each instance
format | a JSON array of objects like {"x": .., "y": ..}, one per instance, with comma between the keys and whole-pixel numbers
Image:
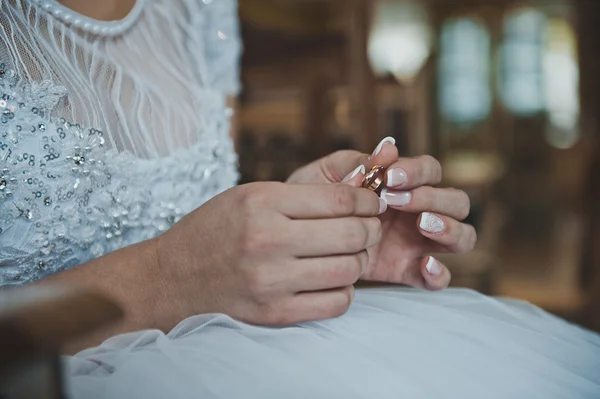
[
  {"x": 275, "y": 315},
  {"x": 268, "y": 313},
  {"x": 356, "y": 267},
  {"x": 340, "y": 305},
  {"x": 344, "y": 200},
  {"x": 465, "y": 202},
  {"x": 342, "y": 273},
  {"x": 346, "y": 296},
  {"x": 473, "y": 240},
  {"x": 259, "y": 240},
  {"x": 251, "y": 197},
  {"x": 467, "y": 240},
  {"x": 256, "y": 196},
  {"x": 434, "y": 167},
  {"x": 255, "y": 282},
  {"x": 374, "y": 231},
  {"x": 356, "y": 235},
  {"x": 424, "y": 197},
  {"x": 362, "y": 259}
]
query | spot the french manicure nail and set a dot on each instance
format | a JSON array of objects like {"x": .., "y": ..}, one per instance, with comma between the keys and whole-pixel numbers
[
  {"x": 396, "y": 198},
  {"x": 396, "y": 177},
  {"x": 431, "y": 223},
  {"x": 433, "y": 266},
  {"x": 386, "y": 140},
  {"x": 352, "y": 175},
  {"x": 382, "y": 206}
]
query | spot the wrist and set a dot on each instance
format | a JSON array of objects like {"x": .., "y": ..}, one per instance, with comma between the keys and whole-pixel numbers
[{"x": 165, "y": 306}]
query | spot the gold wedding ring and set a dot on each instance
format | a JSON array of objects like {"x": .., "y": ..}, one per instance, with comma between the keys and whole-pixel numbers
[{"x": 373, "y": 180}]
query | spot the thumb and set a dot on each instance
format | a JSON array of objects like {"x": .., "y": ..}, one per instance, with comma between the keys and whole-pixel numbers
[{"x": 340, "y": 164}]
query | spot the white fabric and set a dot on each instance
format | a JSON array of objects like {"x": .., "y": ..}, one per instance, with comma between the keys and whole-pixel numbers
[
  {"x": 111, "y": 131},
  {"x": 393, "y": 343}
]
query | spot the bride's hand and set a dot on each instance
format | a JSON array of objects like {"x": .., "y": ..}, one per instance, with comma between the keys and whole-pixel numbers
[
  {"x": 422, "y": 218},
  {"x": 270, "y": 253}
]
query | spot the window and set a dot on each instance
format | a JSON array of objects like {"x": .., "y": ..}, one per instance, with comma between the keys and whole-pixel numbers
[
  {"x": 464, "y": 71},
  {"x": 521, "y": 62},
  {"x": 561, "y": 84},
  {"x": 539, "y": 72}
]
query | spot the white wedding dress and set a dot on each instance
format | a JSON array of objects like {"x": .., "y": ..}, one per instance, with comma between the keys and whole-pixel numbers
[{"x": 111, "y": 131}]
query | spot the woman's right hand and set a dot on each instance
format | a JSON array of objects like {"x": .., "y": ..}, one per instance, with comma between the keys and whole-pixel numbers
[{"x": 270, "y": 253}]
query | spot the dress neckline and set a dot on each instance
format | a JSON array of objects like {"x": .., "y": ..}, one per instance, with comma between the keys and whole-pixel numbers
[{"x": 88, "y": 24}]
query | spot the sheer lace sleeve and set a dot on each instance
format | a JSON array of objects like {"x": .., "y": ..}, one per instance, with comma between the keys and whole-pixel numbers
[{"x": 219, "y": 28}]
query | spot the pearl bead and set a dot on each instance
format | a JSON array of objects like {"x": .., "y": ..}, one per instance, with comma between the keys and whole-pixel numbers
[{"x": 96, "y": 27}]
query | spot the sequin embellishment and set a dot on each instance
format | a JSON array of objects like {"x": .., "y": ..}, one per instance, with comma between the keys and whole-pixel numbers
[{"x": 67, "y": 198}]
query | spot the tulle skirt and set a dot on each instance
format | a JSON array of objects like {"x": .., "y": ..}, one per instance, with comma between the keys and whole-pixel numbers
[{"x": 392, "y": 343}]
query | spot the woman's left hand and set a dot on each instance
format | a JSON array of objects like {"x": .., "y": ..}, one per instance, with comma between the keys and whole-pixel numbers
[{"x": 421, "y": 218}]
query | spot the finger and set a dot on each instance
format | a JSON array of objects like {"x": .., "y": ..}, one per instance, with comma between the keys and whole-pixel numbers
[
  {"x": 325, "y": 237},
  {"x": 355, "y": 177},
  {"x": 316, "y": 274},
  {"x": 319, "y": 305},
  {"x": 340, "y": 165},
  {"x": 407, "y": 173},
  {"x": 385, "y": 154},
  {"x": 317, "y": 201},
  {"x": 436, "y": 276},
  {"x": 426, "y": 273},
  {"x": 446, "y": 201},
  {"x": 454, "y": 236}
]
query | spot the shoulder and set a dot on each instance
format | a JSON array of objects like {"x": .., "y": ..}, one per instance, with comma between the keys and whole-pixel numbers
[{"x": 219, "y": 32}]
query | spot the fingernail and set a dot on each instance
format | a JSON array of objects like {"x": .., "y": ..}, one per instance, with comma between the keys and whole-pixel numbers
[
  {"x": 433, "y": 266},
  {"x": 396, "y": 177},
  {"x": 431, "y": 223},
  {"x": 396, "y": 198},
  {"x": 352, "y": 175},
  {"x": 386, "y": 140},
  {"x": 382, "y": 206}
]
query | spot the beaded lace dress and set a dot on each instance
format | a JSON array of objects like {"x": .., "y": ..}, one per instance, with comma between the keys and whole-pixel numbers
[{"x": 110, "y": 131}]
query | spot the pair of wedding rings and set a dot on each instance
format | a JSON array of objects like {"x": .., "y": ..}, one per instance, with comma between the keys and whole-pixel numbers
[{"x": 373, "y": 180}]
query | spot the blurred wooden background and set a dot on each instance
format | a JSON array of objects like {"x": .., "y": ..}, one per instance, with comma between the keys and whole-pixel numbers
[{"x": 310, "y": 89}]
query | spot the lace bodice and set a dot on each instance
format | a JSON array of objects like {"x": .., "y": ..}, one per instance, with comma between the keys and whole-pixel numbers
[{"x": 109, "y": 131}]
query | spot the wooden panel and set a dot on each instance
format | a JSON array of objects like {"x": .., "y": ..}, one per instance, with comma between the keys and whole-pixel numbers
[
  {"x": 589, "y": 58},
  {"x": 35, "y": 378},
  {"x": 37, "y": 321},
  {"x": 361, "y": 76}
]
